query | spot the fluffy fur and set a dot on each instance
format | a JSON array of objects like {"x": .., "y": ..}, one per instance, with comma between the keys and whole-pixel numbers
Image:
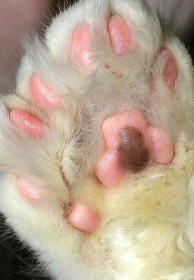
[{"x": 147, "y": 228}]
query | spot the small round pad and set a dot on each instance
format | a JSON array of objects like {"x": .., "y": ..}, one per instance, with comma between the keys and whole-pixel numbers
[
  {"x": 27, "y": 189},
  {"x": 84, "y": 218}
]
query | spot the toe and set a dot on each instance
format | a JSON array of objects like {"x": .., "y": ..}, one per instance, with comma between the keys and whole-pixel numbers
[
  {"x": 27, "y": 189},
  {"x": 82, "y": 44},
  {"x": 44, "y": 95},
  {"x": 27, "y": 122},
  {"x": 120, "y": 35},
  {"x": 170, "y": 70}
]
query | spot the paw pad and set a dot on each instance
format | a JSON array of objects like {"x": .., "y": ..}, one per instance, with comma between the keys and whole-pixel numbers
[
  {"x": 44, "y": 95},
  {"x": 82, "y": 44},
  {"x": 81, "y": 217},
  {"x": 131, "y": 143},
  {"x": 170, "y": 69},
  {"x": 27, "y": 122},
  {"x": 132, "y": 150},
  {"x": 84, "y": 218},
  {"x": 120, "y": 35},
  {"x": 28, "y": 190}
]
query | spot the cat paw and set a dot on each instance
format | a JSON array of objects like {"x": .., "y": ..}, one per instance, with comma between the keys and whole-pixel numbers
[
  {"x": 131, "y": 142},
  {"x": 95, "y": 137}
]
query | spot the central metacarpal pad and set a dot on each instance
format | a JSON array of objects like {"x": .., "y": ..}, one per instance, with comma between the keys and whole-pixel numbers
[
  {"x": 133, "y": 152},
  {"x": 130, "y": 144}
]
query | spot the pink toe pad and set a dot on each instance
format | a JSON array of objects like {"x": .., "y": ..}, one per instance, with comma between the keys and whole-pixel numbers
[
  {"x": 28, "y": 190},
  {"x": 84, "y": 218},
  {"x": 30, "y": 124},
  {"x": 120, "y": 34},
  {"x": 82, "y": 44},
  {"x": 170, "y": 70},
  {"x": 44, "y": 95}
]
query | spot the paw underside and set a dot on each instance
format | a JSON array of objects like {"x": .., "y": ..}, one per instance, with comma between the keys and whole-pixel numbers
[{"x": 94, "y": 137}]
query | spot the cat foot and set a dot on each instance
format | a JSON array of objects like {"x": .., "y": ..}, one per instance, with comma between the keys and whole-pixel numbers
[
  {"x": 132, "y": 144},
  {"x": 93, "y": 142}
]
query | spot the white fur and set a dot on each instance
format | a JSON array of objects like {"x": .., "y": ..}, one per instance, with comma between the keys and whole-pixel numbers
[{"x": 147, "y": 228}]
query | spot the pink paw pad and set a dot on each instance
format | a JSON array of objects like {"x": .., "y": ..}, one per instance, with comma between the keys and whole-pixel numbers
[
  {"x": 120, "y": 35},
  {"x": 84, "y": 218},
  {"x": 170, "y": 69},
  {"x": 81, "y": 44},
  {"x": 131, "y": 143},
  {"x": 28, "y": 190},
  {"x": 27, "y": 122},
  {"x": 44, "y": 95}
]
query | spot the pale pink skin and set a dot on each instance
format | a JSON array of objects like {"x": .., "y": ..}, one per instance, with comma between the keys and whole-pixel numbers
[
  {"x": 82, "y": 217},
  {"x": 27, "y": 122},
  {"x": 120, "y": 35},
  {"x": 28, "y": 190},
  {"x": 170, "y": 70},
  {"x": 44, "y": 95},
  {"x": 81, "y": 44}
]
